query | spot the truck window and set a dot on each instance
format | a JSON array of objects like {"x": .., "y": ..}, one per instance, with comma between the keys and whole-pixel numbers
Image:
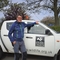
[
  {"x": 8, "y": 25},
  {"x": 36, "y": 29}
]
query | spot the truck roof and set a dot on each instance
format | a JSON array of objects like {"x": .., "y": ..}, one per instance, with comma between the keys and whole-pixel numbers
[{"x": 22, "y": 20}]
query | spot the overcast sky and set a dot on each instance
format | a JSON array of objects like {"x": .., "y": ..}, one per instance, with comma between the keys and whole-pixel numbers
[{"x": 34, "y": 16}]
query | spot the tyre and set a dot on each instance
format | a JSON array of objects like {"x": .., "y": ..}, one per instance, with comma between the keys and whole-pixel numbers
[
  {"x": 55, "y": 57},
  {"x": 1, "y": 52},
  {"x": 58, "y": 57}
]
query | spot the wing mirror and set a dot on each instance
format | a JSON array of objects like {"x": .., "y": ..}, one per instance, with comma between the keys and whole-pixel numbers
[{"x": 48, "y": 32}]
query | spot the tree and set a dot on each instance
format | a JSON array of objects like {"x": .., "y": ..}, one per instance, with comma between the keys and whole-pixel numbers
[
  {"x": 48, "y": 20},
  {"x": 14, "y": 10},
  {"x": 51, "y": 5},
  {"x": 3, "y": 3},
  {"x": 1, "y": 21}
]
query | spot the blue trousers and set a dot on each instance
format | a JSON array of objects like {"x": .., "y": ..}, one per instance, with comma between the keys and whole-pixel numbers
[{"x": 20, "y": 46}]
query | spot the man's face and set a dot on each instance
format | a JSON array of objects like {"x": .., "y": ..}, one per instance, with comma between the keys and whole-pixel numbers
[{"x": 19, "y": 18}]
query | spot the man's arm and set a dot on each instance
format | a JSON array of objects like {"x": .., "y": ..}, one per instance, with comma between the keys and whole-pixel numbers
[
  {"x": 10, "y": 33},
  {"x": 31, "y": 24}
]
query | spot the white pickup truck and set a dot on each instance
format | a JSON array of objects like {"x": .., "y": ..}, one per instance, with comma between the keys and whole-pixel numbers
[{"x": 39, "y": 39}]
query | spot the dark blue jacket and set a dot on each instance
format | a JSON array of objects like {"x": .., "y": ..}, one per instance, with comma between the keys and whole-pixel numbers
[{"x": 16, "y": 32}]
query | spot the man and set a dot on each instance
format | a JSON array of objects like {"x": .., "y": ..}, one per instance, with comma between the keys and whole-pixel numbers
[{"x": 17, "y": 29}]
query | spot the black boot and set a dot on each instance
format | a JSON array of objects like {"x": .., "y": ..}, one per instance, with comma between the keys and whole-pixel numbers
[
  {"x": 24, "y": 56},
  {"x": 16, "y": 56}
]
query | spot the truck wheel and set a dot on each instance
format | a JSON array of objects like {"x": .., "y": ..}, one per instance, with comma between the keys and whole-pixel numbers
[
  {"x": 1, "y": 53},
  {"x": 55, "y": 57},
  {"x": 58, "y": 57}
]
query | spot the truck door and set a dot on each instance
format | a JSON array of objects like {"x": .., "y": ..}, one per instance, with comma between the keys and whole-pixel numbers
[
  {"x": 38, "y": 42},
  {"x": 4, "y": 35}
]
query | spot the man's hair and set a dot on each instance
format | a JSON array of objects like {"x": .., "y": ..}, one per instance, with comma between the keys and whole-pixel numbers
[{"x": 18, "y": 15}]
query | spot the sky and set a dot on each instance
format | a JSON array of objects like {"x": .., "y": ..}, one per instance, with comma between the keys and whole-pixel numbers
[{"x": 34, "y": 16}]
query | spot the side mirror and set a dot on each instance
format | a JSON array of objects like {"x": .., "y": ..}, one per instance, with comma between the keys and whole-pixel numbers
[{"x": 47, "y": 32}]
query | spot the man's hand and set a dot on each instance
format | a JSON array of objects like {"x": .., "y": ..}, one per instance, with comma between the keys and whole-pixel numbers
[
  {"x": 37, "y": 22},
  {"x": 14, "y": 42}
]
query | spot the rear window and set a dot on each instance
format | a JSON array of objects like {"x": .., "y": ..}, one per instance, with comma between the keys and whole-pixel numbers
[{"x": 8, "y": 25}]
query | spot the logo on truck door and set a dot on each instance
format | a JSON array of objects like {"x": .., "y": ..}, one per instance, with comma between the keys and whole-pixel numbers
[{"x": 40, "y": 41}]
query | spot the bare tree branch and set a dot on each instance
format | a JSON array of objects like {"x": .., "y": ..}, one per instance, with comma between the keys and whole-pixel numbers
[
  {"x": 44, "y": 6},
  {"x": 58, "y": 10},
  {"x": 51, "y": 1}
]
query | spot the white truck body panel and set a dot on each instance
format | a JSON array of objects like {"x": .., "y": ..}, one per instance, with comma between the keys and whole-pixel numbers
[
  {"x": 2, "y": 46},
  {"x": 36, "y": 44}
]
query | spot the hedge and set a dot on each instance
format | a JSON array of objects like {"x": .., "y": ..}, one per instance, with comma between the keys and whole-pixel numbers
[{"x": 56, "y": 28}]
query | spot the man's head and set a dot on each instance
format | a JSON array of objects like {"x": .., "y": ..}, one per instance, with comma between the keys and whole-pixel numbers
[{"x": 19, "y": 18}]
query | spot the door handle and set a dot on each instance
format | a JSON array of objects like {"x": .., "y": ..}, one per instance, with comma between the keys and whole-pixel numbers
[
  {"x": 5, "y": 35},
  {"x": 29, "y": 37}
]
